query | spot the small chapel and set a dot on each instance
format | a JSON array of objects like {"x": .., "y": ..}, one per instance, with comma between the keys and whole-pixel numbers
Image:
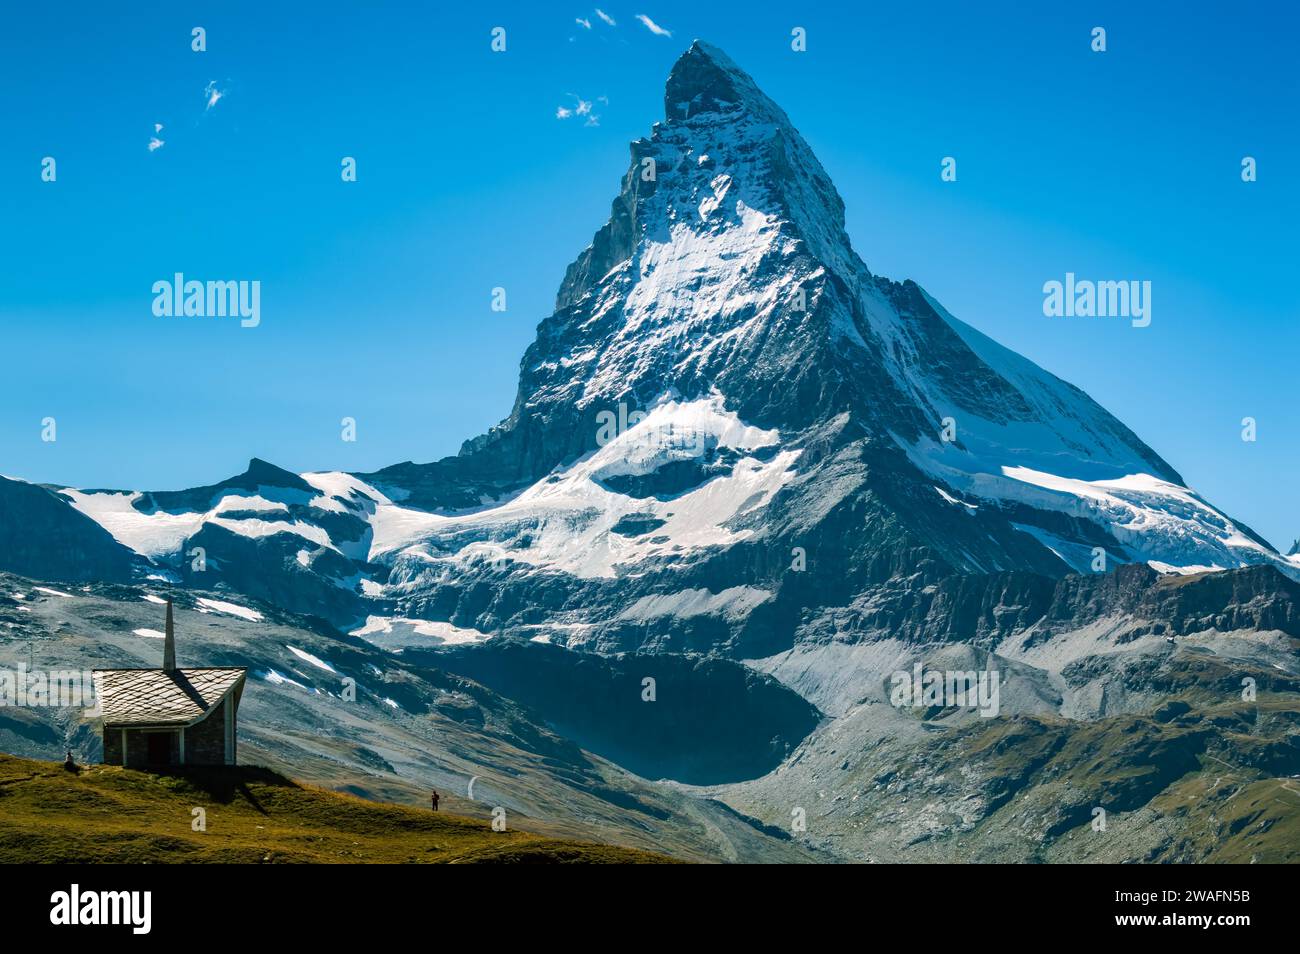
[{"x": 159, "y": 718}]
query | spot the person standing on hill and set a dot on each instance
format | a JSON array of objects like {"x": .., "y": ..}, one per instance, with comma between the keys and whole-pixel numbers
[{"x": 433, "y": 799}]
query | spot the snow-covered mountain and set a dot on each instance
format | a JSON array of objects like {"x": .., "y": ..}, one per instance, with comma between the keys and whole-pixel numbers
[
  {"x": 724, "y": 293},
  {"x": 728, "y": 432},
  {"x": 740, "y": 464}
]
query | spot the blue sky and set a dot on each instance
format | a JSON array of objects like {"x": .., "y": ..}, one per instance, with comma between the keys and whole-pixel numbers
[{"x": 375, "y": 294}]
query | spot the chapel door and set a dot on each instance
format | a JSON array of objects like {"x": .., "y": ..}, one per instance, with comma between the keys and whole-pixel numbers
[{"x": 160, "y": 747}]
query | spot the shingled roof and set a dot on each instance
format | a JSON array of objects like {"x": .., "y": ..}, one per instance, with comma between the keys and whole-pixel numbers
[{"x": 161, "y": 697}]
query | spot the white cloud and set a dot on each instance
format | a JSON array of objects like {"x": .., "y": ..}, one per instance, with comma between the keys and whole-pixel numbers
[
  {"x": 585, "y": 24},
  {"x": 157, "y": 127},
  {"x": 605, "y": 16},
  {"x": 581, "y": 107},
  {"x": 155, "y": 143},
  {"x": 653, "y": 27},
  {"x": 213, "y": 94}
]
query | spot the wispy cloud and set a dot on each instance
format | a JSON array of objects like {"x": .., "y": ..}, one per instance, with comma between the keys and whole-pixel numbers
[
  {"x": 213, "y": 94},
  {"x": 585, "y": 24},
  {"x": 581, "y": 107},
  {"x": 605, "y": 16},
  {"x": 653, "y": 27},
  {"x": 155, "y": 143}
]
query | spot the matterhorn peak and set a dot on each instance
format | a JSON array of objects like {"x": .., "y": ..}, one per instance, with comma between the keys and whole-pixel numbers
[
  {"x": 705, "y": 79},
  {"x": 727, "y": 159},
  {"x": 724, "y": 284}
]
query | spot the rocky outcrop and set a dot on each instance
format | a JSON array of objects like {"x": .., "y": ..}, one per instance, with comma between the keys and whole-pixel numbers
[
  {"x": 44, "y": 537},
  {"x": 260, "y": 473},
  {"x": 986, "y": 609}
]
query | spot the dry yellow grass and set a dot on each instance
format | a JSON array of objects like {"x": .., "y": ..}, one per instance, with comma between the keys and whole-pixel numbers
[{"x": 105, "y": 813}]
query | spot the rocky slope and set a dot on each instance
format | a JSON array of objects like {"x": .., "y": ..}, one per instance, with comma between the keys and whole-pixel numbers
[
  {"x": 40, "y": 534},
  {"x": 1196, "y": 774}
]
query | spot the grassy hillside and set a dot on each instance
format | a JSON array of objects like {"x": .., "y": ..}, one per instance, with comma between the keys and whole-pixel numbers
[{"x": 103, "y": 813}]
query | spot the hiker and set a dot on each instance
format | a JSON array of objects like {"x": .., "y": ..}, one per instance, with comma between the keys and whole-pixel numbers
[
  {"x": 434, "y": 799},
  {"x": 68, "y": 764}
]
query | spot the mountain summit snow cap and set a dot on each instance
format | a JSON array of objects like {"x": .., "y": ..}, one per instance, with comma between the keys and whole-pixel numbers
[
  {"x": 725, "y": 149},
  {"x": 705, "y": 79}
]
